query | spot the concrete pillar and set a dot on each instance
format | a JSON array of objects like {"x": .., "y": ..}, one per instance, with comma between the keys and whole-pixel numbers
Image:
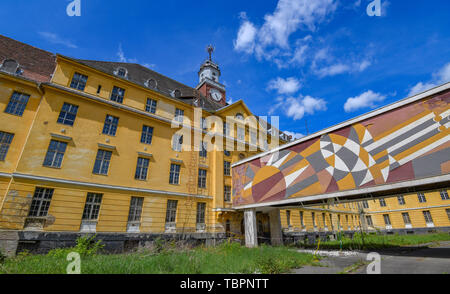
[
  {"x": 276, "y": 233},
  {"x": 251, "y": 234}
]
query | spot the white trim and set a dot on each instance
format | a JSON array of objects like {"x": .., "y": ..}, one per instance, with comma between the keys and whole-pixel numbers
[
  {"x": 353, "y": 121},
  {"x": 5, "y": 175},
  {"x": 405, "y": 184},
  {"x": 104, "y": 186}
]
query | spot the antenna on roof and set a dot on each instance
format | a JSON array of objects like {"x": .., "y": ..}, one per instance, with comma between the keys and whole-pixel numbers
[{"x": 210, "y": 49}]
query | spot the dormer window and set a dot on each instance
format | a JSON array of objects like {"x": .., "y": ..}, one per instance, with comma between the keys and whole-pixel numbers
[
  {"x": 151, "y": 83},
  {"x": 121, "y": 72},
  {"x": 176, "y": 93},
  {"x": 11, "y": 66}
]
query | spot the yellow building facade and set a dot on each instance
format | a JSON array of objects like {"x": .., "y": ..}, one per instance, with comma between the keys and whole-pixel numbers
[
  {"x": 426, "y": 211},
  {"x": 109, "y": 148},
  {"x": 92, "y": 148}
]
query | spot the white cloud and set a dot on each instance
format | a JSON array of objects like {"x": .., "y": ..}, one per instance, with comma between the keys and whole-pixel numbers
[
  {"x": 292, "y": 15},
  {"x": 288, "y": 17},
  {"x": 366, "y": 99},
  {"x": 246, "y": 36},
  {"x": 285, "y": 86},
  {"x": 55, "y": 39},
  {"x": 296, "y": 108},
  {"x": 440, "y": 77},
  {"x": 294, "y": 135},
  {"x": 323, "y": 66}
]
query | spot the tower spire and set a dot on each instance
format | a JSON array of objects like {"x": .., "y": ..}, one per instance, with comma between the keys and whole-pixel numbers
[{"x": 210, "y": 49}]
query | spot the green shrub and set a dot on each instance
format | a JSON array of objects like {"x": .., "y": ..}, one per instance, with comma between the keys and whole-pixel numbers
[{"x": 86, "y": 246}]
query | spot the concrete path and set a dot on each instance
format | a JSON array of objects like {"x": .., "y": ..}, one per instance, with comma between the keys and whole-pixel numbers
[{"x": 432, "y": 260}]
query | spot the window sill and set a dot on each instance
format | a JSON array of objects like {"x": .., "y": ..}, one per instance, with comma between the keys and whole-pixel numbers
[
  {"x": 52, "y": 167},
  {"x": 103, "y": 175}
]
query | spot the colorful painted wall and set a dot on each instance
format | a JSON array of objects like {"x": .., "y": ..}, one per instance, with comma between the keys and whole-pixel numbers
[{"x": 407, "y": 143}]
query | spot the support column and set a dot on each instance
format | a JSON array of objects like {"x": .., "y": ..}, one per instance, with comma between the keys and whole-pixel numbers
[
  {"x": 276, "y": 233},
  {"x": 251, "y": 234}
]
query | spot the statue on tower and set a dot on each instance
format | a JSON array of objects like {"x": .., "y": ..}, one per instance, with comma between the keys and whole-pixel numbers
[{"x": 210, "y": 49}]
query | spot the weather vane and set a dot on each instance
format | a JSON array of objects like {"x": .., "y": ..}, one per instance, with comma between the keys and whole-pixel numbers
[{"x": 210, "y": 49}]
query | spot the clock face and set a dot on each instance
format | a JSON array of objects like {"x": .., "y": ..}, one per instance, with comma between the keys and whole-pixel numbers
[{"x": 216, "y": 95}]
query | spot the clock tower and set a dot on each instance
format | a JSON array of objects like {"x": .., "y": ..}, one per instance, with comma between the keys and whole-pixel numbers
[{"x": 209, "y": 84}]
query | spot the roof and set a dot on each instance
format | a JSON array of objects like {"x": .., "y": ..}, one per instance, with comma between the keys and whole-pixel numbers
[
  {"x": 141, "y": 76},
  {"x": 30, "y": 62}
]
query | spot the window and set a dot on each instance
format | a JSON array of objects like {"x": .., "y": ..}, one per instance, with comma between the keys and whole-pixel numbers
[
  {"x": 444, "y": 195},
  {"x": 117, "y": 94},
  {"x": 387, "y": 219},
  {"x": 401, "y": 200},
  {"x": 288, "y": 218},
  {"x": 68, "y": 114},
  {"x": 406, "y": 218},
  {"x": 92, "y": 206},
  {"x": 226, "y": 129},
  {"x": 110, "y": 127},
  {"x": 5, "y": 142},
  {"x": 78, "y": 81},
  {"x": 422, "y": 198},
  {"x": 204, "y": 151},
  {"x": 135, "y": 209},
  {"x": 239, "y": 116},
  {"x": 324, "y": 220},
  {"x": 121, "y": 72},
  {"x": 227, "y": 193},
  {"x": 369, "y": 221},
  {"x": 428, "y": 218},
  {"x": 142, "y": 169},
  {"x": 151, "y": 106},
  {"x": 202, "y": 178},
  {"x": 171, "y": 213},
  {"x": 313, "y": 218},
  {"x": 448, "y": 213},
  {"x": 55, "y": 154},
  {"x": 201, "y": 209},
  {"x": 41, "y": 202},
  {"x": 147, "y": 135},
  {"x": 253, "y": 139},
  {"x": 241, "y": 134},
  {"x": 382, "y": 202},
  {"x": 227, "y": 153},
  {"x": 302, "y": 221},
  {"x": 177, "y": 142},
  {"x": 17, "y": 103},
  {"x": 99, "y": 89},
  {"x": 227, "y": 168},
  {"x": 174, "y": 177},
  {"x": 102, "y": 161},
  {"x": 365, "y": 204},
  {"x": 179, "y": 115}
]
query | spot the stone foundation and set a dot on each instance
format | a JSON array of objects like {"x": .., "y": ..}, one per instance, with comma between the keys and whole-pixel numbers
[{"x": 13, "y": 242}]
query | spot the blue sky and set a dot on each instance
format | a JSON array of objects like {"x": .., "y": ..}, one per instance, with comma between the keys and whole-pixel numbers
[{"x": 323, "y": 61}]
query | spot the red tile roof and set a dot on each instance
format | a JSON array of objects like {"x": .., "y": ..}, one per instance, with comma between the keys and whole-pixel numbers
[{"x": 36, "y": 64}]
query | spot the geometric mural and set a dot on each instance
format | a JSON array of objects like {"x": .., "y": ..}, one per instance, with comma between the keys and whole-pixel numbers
[{"x": 407, "y": 143}]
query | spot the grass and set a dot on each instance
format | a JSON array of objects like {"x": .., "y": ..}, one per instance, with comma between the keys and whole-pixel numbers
[
  {"x": 381, "y": 241},
  {"x": 223, "y": 259}
]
